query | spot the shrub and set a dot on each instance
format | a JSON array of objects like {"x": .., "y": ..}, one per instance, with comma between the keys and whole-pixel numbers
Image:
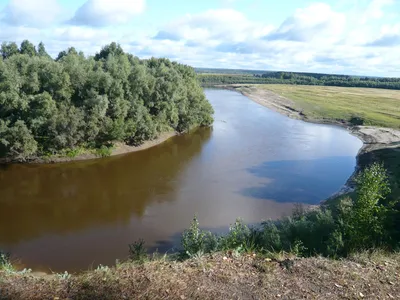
[
  {"x": 366, "y": 218},
  {"x": 5, "y": 262},
  {"x": 137, "y": 251},
  {"x": 350, "y": 225},
  {"x": 239, "y": 236},
  {"x": 104, "y": 151},
  {"x": 196, "y": 241}
]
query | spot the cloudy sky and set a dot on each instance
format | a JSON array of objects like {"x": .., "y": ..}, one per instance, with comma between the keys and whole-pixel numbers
[{"x": 337, "y": 36}]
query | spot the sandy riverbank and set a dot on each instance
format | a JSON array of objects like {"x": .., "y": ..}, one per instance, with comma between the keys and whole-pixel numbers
[
  {"x": 119, "y": 148},
  {"x": 373, "y": 137}
]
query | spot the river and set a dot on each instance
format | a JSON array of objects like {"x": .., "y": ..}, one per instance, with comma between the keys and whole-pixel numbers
[{"x": 253, "y": 163}]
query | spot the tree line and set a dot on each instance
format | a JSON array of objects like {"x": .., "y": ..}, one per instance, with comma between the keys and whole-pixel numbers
[
  {"x": 48, "y": 105},
  {"x": 301, "y": 79}
]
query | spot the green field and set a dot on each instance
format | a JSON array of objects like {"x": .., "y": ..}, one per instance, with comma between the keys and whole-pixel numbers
[{"x": 378, "y": 107}]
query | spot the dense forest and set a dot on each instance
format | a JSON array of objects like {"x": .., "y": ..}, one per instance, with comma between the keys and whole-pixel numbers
[
  {"x": 229, "y": 71},
  {"x": 300, "y": 79},
  {"x": 48, "y": 105}
]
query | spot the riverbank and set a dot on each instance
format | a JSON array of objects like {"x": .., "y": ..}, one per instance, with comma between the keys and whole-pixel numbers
[
  {"x": 219, "y": 276},
  {"x": 380, "y": 144},
  {"x": 117, "y": 149},
  {"x": 373, "y": 137}
]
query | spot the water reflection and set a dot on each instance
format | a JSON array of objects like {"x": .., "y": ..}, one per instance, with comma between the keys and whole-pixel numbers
[
  {"x": 309, "y": 180},
  {"x": 57, "y": 199},
  {"x": 254, "y": 163}
]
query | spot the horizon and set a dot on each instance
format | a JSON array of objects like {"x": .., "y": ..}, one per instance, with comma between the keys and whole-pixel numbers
[{"x": 352, "y": 37}]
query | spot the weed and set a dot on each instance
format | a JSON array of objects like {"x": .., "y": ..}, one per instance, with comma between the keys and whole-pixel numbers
[
  {"x": 104, "y": 151},
  {"x": 64, "y": 276},
  {"x": 5, "y": 262},
  {"x": 103, "y": 268},
  {"x": 137, "y": 251}
]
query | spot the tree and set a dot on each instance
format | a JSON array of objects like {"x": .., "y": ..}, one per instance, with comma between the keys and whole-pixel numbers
[
  {"x": 27, "y": 48},
  {"x": 42, "y": 50},
  {"x": 77, "y": 101},
  {"x": 19, "y": 142},
  {"x": 8, "y": 49},
  {"x": 365, "y": 217},
  {"x": 112, "y": 49},
  {"x": 61, "y": 55}
]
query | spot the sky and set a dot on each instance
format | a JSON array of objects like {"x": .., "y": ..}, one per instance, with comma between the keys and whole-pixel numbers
[{"x": 359, "y": 37}]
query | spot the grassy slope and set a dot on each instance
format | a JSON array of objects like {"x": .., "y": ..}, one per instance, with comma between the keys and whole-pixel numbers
[
  {"x": 378, "y": 107},
  {"x": 218, "y": 277}
]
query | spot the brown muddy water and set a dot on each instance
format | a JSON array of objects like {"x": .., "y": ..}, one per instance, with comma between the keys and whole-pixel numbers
[{"x": 253, "y": 163}]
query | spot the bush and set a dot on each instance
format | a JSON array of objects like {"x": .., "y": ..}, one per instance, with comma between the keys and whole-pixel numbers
[
  {"x": 196, "y": 241},
  {"x": 137, "y": 251},
  {"x": 337, "y": 230},
  {"x": 5, "y": 262},
  {"x": 104, "y": 151},
  {"x": 240, "y": 236},
  {"x": 366, "y": 219}
]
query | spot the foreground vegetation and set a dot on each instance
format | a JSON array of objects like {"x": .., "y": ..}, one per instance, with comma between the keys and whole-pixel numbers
[
  {"x": 274, "y": 259},
  {"x": 223, "y": 76},
  {"x": 221, "y": 276},
  {"x": 76, "y": 102},
  {"x": 354, "y": 106}
]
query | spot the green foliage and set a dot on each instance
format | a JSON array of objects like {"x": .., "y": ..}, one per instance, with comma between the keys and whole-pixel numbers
[
  {"x": 104, "y": 151},
  {"x": 75, "y": 101},
  {"x": 337, "y": 230},
  {"x": 366, "y": 218},
  {"x": 240, "y": 236},
  {"x": 137, "y": 251},
  {"x": 5, "y": 262},
  {"x": 8, "y": 49},
  {"x": 196, "y": 241},
  {"x": 209, "y": 78},
  {"x": 18, "y": 140},
  {"x": 27, "y": 48},
  {"x": 42, "y": 50}
]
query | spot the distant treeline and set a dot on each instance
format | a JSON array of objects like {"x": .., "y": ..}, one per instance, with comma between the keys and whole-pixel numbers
[
  {"x": 300, "y": 79},
  {"x": 75, "y": 101},
  {"x": 229, "y": 71}
]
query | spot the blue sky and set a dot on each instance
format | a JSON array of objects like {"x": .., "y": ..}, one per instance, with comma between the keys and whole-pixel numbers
[{"x": 342, "y": 36}]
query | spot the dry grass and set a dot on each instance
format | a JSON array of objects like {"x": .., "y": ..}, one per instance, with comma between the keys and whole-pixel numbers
[
  {"x": 378, "y": 107},
  {"x": 364, "y": 276}
]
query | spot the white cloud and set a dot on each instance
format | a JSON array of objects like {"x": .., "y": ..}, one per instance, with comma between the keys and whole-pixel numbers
[
  {"x": 106, "y": 12},
  {"x": 30, "y": 13},
  {"x": 213, "y": 26},
  {"x": 76, "y": 33},
  {"x": 389, "y": 36},
  {"x": 17, "y": 34},
  {"x": 317, "y": 21},
  {"x": 315, "y": 38},
  {"x": 375, "y": 10}
]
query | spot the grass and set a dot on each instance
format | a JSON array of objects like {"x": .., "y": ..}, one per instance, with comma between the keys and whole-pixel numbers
[
  {"x": 104, "y": 151},
  {"x": 369, "y": 275},
  {"x": 378, "y": 107}
]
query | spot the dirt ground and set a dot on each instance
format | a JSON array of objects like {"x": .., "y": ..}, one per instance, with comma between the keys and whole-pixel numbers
[{"x": 221, "y": 276}]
